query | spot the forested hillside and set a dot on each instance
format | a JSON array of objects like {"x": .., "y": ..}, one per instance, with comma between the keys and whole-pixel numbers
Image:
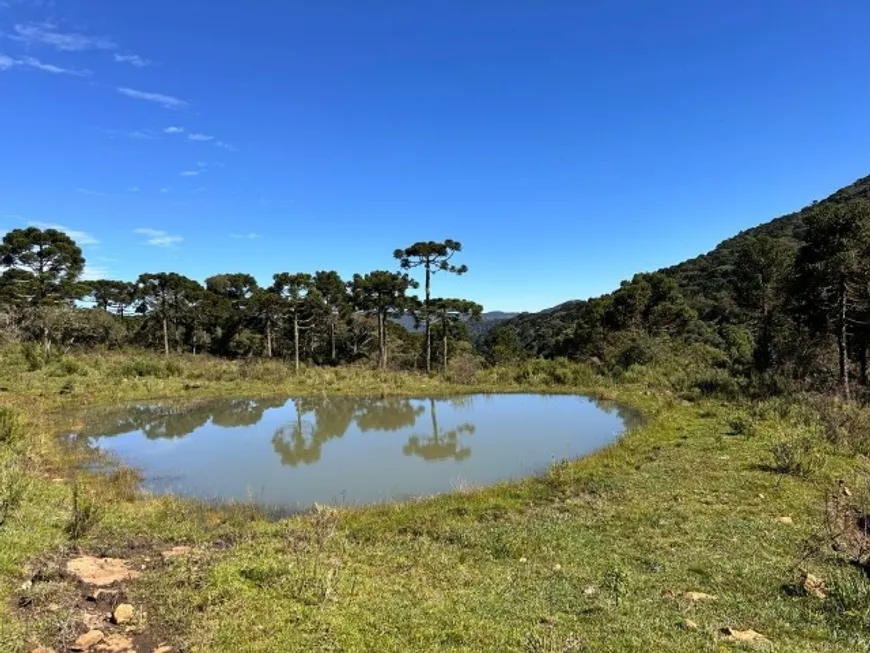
[{"x": 765, "y": 300}]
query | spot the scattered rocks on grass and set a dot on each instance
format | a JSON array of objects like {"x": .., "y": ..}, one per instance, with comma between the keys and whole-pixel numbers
[
  {"x": 699, "y": 596},
  {"x": 788, "y": 521},
  {"x": 88, "y": 640},
  {"x": 813, "y": 585},
  {"x": 116, "y": 644},
  {"x": 743, "y": 636},
  {"x": 123, "y": 614},
  {"x": 177, "y": 551},
  {"x": 100, "y": 571}
]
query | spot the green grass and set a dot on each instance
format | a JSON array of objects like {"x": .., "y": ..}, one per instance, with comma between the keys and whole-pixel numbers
[{"x": 596, "y": 555}]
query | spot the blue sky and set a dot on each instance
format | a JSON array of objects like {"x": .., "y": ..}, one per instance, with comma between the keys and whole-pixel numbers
[{"x": 567, "y": 145}]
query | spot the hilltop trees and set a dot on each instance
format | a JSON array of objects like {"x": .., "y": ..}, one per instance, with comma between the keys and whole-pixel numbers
[
  {"x": 314, "y": 318},
  {"x": 384, "y": 295},
  {"x": 449, "y": 315},
  {"x": 433, "y": 257},
  {"x": 40, "y": 269}
]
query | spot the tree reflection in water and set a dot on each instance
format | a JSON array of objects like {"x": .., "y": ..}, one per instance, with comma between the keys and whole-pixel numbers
[
  {"x": 440, "y": 445},
  {"x": 301, "y": 441}
]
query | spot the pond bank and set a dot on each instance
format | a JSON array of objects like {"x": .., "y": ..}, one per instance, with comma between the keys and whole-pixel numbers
[{"x": 609, "y": 553}]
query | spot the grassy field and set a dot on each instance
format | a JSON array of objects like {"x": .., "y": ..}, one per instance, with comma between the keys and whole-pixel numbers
[{"x": 685, "y": 535}]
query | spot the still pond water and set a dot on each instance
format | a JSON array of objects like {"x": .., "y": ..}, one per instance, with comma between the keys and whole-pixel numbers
[{"x": 290, "y": 453}]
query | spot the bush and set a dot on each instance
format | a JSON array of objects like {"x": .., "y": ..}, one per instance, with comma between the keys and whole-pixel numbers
[
  {"x": 13, "y": 485},
  {"x": 463, "y": 369},
  {"x": 140, "y": 367},
  {"x": 848, "y": 593},
  {"x": 797, "y": 455},
  {"x": 34, "y": 355},
  {"x": 10, "y": 428},
  {"x": 741, "y": 424}
]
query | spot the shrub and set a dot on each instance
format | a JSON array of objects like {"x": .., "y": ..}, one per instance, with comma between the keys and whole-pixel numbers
[
  {"x": 13, "y": 485},
  {"x": 796, "y": 455},
  {"x": 34, "y": 355},
  {"x": 161, "y": 369},
  {"x": 10, "y": 428},
  {"x": 85, "y": 513},
  {"x": 463, "y": 369},
  {"x": 741, "y": 424},
  {"x": 848, "y": 591}
]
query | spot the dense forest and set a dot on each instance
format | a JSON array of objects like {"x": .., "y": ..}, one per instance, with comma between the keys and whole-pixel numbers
[
  {"x": 787, "y": 302},
  {"x": 316, "y": 318},
  {"x": 783, "y": 305}
]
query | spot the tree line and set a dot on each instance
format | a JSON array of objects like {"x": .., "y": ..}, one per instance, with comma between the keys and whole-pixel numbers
[
  {"x": 317, "y": 318},
  {"x": 783, "y": 306}
]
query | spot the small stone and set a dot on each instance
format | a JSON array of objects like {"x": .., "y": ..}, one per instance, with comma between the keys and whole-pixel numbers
[
  {"x": 42, "y": 649},
  {"x": 557, "y": 568},
  {"x": 89, "y": 639},
  {"x": 123, "y": 614},
  {"x": 761, "y": 496},
  {"x": 101, "y": 594},
  {"x": 163, "y": 649},
  {"x": 700, "y": 596},
  {"x": 814, "y": 585},
  {"x": 688, "y": 624},
  {"x": 748, "y": 636},
  {"x": 177, "y": 551},
  {"x": 523, "y": 561},
  {"x": 116, "y": 644},
  {"x": 26, "y": 585},
  {"x": 846, "y": 491},
  {"x": 53, "y": 607},
  {"x": 100, "y": 571},
  {"x": 590, "y": 590},
  {"x": 788, "y": 521}
]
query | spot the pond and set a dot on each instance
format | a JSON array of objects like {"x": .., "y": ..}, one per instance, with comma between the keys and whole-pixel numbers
[{"x": 286, "y": 454}]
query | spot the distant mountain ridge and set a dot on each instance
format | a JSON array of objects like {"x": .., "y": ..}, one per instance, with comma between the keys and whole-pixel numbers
[
  {"x": 705, "y": 279},
  {"x": 488, "y": 321}
]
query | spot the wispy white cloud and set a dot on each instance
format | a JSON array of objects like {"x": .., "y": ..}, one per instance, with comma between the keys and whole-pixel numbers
[
  {"x": 89, "y": 191},
  {"x": 133, "y": 60},
  {"x": 225, "y": 146},
  {"x": 204, "y": 138},
  {"x": 7, "y": 62},
  {"x": 48, "y": 34},
  {"x": 165, "y": 189},
  {"x": 136, "y": 135},
  {"x": 174, "y": 130},
  {"x": 158, "y": 237},
  {"x": 133, "y": 189},
  {"x": 202, "y": 164},
  {"x": 94, "y": 272},
  {"x": 167, "y": 101},
  {"x": 249, "y": 236},
  {"x": 81, "y": 237},
  {"x": 196, "y": 191},
  {"x": 190, "y": 173}
]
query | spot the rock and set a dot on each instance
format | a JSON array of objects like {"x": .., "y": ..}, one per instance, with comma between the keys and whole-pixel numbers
[
  {"x": 42, "y": 649},
  {"x": 116, "y": 644},
  {"x": 177, "y": 551},
  {"x": 814, "y": 585},
  {"x": 101, "y": 594},
  {"x": 557, "y": 568},
  {"x": 788, "y": 521},
  {"x": 688, "y": 624},
  {"x": 26, "y": 585},
  {"x": 100, "y": 571},
  {"x": 123, "y": 614},
  {"x": 163, "y": 649},
  {"x": 590, "y": 590},
  {"x": 747, "y": 636},
  {"x": 94, "y": 621},
  {"x": 847, "y": 492},
  {"x": 699, "y": 596},
  {"x": 523, "y": 561},
  {"x": 86, "y": 641}
]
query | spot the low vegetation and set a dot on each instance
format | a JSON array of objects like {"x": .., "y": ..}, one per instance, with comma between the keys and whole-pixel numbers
[{"x": 698, "y": 527}]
